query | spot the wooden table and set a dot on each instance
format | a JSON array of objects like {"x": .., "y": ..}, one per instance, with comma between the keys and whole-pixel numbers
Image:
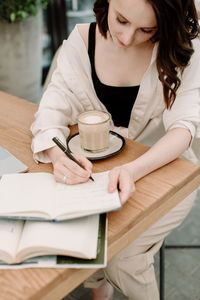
[{"x": 155, "y": 195}]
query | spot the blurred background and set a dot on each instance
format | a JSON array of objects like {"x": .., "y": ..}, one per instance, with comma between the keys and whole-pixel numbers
[
  {"x": 30, "y": 33},
  {"x": 29, "y": 39},
  {"x": 59, "y": 20}
]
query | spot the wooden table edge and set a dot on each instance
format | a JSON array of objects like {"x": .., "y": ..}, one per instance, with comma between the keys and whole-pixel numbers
[{"x": 58, "y": 290}]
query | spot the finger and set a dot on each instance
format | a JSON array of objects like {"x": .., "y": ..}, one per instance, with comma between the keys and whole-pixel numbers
[
  {"x": 126, "y": 188},
  {"x": 70, "y": 179},
  {"x": 113, "y": 180},
  {"x": 61, "y": 170},
  {"x": 84, "y": 162},
  {"x": 75, "y": 169}
]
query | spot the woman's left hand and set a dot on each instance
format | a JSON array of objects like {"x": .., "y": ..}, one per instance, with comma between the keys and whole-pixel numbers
[{"x": 121, "y": 177}]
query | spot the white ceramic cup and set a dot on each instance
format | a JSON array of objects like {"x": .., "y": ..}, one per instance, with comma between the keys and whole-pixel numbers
[{"x": 94, "y": 129}]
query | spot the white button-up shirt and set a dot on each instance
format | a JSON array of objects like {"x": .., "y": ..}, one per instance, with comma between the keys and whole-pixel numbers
[{"x": 71, "y": 92}]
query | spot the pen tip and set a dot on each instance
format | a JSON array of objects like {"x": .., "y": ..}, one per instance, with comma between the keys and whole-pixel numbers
[{"x": 91, "y": 178}]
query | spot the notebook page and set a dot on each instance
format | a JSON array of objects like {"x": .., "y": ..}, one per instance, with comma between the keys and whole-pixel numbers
[
  {"x": 76, "y": 238},
  {"x": 39, "y": 195},
  {"x": 90, "y": 196},
  {"x": 10, "y": 233},
  {"x": 29, "y": 192}
]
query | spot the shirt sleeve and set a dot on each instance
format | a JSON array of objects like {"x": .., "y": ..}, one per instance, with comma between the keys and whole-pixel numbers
[
  {"x": 58, "y": 108},
  {"x": 185, "y": 111}
]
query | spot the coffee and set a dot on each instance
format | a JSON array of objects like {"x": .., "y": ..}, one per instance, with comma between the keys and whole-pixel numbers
[{"x": 94, "y": 130}]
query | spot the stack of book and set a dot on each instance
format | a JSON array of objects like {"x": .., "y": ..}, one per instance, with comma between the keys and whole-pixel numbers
[{"x": 48, "y": 224}]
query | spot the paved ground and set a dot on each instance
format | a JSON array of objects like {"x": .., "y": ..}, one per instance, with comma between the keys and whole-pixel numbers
[{"x": 182, "y": 276}]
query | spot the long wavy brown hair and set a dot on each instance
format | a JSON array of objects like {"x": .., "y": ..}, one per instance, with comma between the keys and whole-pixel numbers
[{"x": 177, "y": 25}]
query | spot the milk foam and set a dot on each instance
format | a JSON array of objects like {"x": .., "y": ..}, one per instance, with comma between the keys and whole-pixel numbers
[{"x": 93, "y": 119}]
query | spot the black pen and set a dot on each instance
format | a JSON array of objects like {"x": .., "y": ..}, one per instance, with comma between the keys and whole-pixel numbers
[{"x": 67, "y": 152}]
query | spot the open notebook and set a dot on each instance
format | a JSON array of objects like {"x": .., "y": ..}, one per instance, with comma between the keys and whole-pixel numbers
[
  {"x": 21, "y": 240},
  {"x": 39, "y": 196},
  {"x": 75, "y": 238}
]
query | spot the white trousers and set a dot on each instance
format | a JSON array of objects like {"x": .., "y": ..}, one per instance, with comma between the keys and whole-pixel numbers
[{"x": 132, "y": 270}]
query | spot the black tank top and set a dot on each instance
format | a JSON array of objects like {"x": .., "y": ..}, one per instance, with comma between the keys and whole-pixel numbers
[{"x": 118, "y": 100}]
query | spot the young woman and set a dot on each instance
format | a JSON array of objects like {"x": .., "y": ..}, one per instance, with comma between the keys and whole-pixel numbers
[{"x": 140, "y": 62}]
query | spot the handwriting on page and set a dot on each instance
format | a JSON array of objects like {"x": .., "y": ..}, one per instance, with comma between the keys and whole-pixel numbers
[
  {"x": 9, "y": 226},
  {"x": 10, "y": 232},
  {"x": 89, "y": 194}
]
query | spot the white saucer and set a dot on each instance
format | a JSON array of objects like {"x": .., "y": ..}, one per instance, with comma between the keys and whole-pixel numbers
[{"x": 117, "y": 144}]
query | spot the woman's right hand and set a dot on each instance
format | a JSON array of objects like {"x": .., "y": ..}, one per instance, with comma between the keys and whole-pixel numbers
[{"x": 67, "y": 171}]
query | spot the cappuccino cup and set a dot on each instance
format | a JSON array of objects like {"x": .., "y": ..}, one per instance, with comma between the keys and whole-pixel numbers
[{"x": 94, "y": 129}]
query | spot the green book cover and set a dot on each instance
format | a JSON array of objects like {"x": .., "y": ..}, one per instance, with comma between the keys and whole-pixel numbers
[
  {"x": 53, "y": 261},
  {"x": 101, "y": 259}
]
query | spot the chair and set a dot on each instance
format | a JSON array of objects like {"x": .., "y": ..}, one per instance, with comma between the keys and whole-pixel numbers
[
  {"x": 57, "y": 22},
  {"x": 56, "y": 18}
]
